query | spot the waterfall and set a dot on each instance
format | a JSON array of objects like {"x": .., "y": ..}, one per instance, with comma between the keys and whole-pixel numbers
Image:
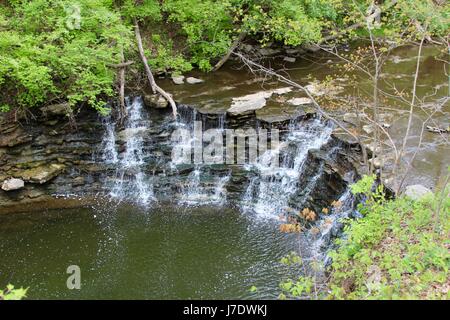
[
  {"x": 330, "y": 226},
  {"x": 194, "y": 191},
  {"x": 269, "y": 193},
  {"x": 107, "y": 150},
  {"x": 130, "y": 181}
]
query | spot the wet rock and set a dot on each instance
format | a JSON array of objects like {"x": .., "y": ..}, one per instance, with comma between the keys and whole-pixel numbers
[
  {"x": 178, "y": 79},
  {"x": 351, "y": 118},
  {"x": 417, "y": 191},
  {"x": 155, "y": 101},
  {"x": 42, "y": 174},
  {"x": 289, "y": 59},
  {"x": 12, "y": 184},
  {"x": 192, "y": 80},
  {"x": 278, "y": 115},
  {"x": 300, "y": 101},
  {"x": 249, "y": 103},
  {"x": 60, "y": 109},
  {"x": 281, "y": 91}
]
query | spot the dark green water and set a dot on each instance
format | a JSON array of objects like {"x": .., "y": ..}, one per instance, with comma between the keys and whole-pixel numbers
[{"x": 168, "y": 252}]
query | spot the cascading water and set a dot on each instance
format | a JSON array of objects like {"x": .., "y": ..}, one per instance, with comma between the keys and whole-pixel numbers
[
  {"x": 330, "y": 227},
  {"x": 194, "y": 191},
  {"x": 130, "y": 181},
  {"x": 268, "y": 193},
  {"x": 272, "y": 190}
]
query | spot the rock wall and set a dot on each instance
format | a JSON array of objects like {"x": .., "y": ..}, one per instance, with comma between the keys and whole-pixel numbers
[{"x": 58, "y": 163}]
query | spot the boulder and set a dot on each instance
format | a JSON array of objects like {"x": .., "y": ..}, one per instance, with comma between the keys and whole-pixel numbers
[
  {"x": 155, "y": 101},
  {"x": 282, "y": 90},
  {"x": 192, "y": 80},
  {"x": 12, "y": 184},
  {"x": 178, "y": 79},
  {"x": 417, "y": 191},
  {"x": 60, "y": 109},
  {"x": 251, "y": 102},
  {"x": 42, "y": 174},
  {"x": 300, "y": 101},
  {"x": 247, "y": 104}
]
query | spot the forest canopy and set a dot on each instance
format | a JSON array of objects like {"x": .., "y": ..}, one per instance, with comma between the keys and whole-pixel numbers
[{"x": 65, "y": 51}]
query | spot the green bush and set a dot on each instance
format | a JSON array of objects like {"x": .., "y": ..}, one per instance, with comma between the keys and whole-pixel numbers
[
  {"x": 13, "y": 294},
  {"x": 58, "y": 50},
  {"x": 398, "y": 250}
]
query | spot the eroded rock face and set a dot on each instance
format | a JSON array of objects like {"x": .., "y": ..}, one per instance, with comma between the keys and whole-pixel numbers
[
  {"x": 42, "y": 174},
  {"x": 61, "y": 109},
  {"x": 57, "y": 159},
  {"x": 13, "y": 135},
  {"x": 12, "y": 184}
]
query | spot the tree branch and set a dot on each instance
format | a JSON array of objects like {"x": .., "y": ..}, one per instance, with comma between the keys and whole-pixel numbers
[{"x": 151, "y": 79}]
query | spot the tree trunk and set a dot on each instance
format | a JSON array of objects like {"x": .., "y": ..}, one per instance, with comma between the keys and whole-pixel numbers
[
  {"x": 123, "y": 110},
  {"x": 151, "y": 79}
]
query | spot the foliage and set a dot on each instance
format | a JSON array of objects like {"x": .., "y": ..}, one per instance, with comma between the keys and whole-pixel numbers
[
  {"x": 61, "y": 50},
  {"x": 165, "y": 59},
  {"x": 13, "y": 294},
  {"x": 58, "y": 50},
  {"x": 305, "y": 285},
  {"x": 399, "y": 250}
]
